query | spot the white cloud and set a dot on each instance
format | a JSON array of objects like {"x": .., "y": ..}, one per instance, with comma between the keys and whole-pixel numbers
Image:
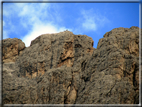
[
  {"x": 91, "y": 20},
  {"x": 40, "y": 29},
  {"x": 32, "y": 13},
  {"x": 35, "y": 19},
  {"x": 5, "y": 35},
  {"x": 40, "y": 18},
  {"x": 89, "y": 24},
  {"x": 3, "y": 23}
]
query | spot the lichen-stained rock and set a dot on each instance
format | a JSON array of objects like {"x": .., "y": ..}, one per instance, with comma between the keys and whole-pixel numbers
[
  {"x": 53, "y": 50},
  {"x": 11, "y": 48},
  {"x": 64, "y": 68}
]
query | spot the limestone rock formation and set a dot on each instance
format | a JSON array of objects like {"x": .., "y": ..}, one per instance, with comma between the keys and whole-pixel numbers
[
  {"x": 53, "y": 50},
  {"x": 11, "y": 48},
  {"x": 64, "y": 68}
]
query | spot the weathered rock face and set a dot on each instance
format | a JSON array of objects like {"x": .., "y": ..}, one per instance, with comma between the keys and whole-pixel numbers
[
  {"x": 64, "y": 68},
  {"x": 53, "y": 50},
  {"x": 11, "y": 48},
  {"x": 112, "y": 72}
]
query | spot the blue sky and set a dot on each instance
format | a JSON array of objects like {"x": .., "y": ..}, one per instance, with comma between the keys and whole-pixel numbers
[{"x": 27, "y": 21}]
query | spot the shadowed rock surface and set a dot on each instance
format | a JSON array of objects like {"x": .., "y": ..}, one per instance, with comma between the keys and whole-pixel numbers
[{"x": 64, "y": 68}]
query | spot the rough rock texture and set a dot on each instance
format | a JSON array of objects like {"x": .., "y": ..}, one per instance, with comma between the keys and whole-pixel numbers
[
  {"x": 11, "y": 48},
  {"x": 53, "y": 50},
  {"x": 64, "y": 68},
  {"x": 112, "y": 73}
]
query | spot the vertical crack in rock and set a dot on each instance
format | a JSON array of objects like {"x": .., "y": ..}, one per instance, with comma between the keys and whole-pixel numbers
[
  {"x": 51, "y": 61},
  {"x": 83, "y": 65},
  {"x": 135, "y": 84},
  {"x": 51, "y": 55},
  {"x": 67, "y": 57},
  {"x": 109, "y": 92},
  {"x": 70, "y": 98}
]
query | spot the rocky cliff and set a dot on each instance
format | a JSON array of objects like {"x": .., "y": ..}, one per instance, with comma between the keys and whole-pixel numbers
[{"x": 64, "y": 68}]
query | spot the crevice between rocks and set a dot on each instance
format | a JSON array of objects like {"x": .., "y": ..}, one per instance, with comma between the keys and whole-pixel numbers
[{"x": 109, "y": 92}]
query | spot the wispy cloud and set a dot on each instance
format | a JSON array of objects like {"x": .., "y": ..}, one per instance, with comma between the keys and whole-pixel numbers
[
  {"x": 5, "y": 33},
  {"x": 88, "y": 20},
  {"x": 40, "y": 18},
  {"x": 29, "y": 20},
  {"x": 92, "y": 20}
]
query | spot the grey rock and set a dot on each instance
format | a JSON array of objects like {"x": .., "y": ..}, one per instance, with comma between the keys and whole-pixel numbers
[
  {"x": 64, "y": 68},
  {"x": 11, "y": 49},
  {"x": 51, "y": 51}
]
